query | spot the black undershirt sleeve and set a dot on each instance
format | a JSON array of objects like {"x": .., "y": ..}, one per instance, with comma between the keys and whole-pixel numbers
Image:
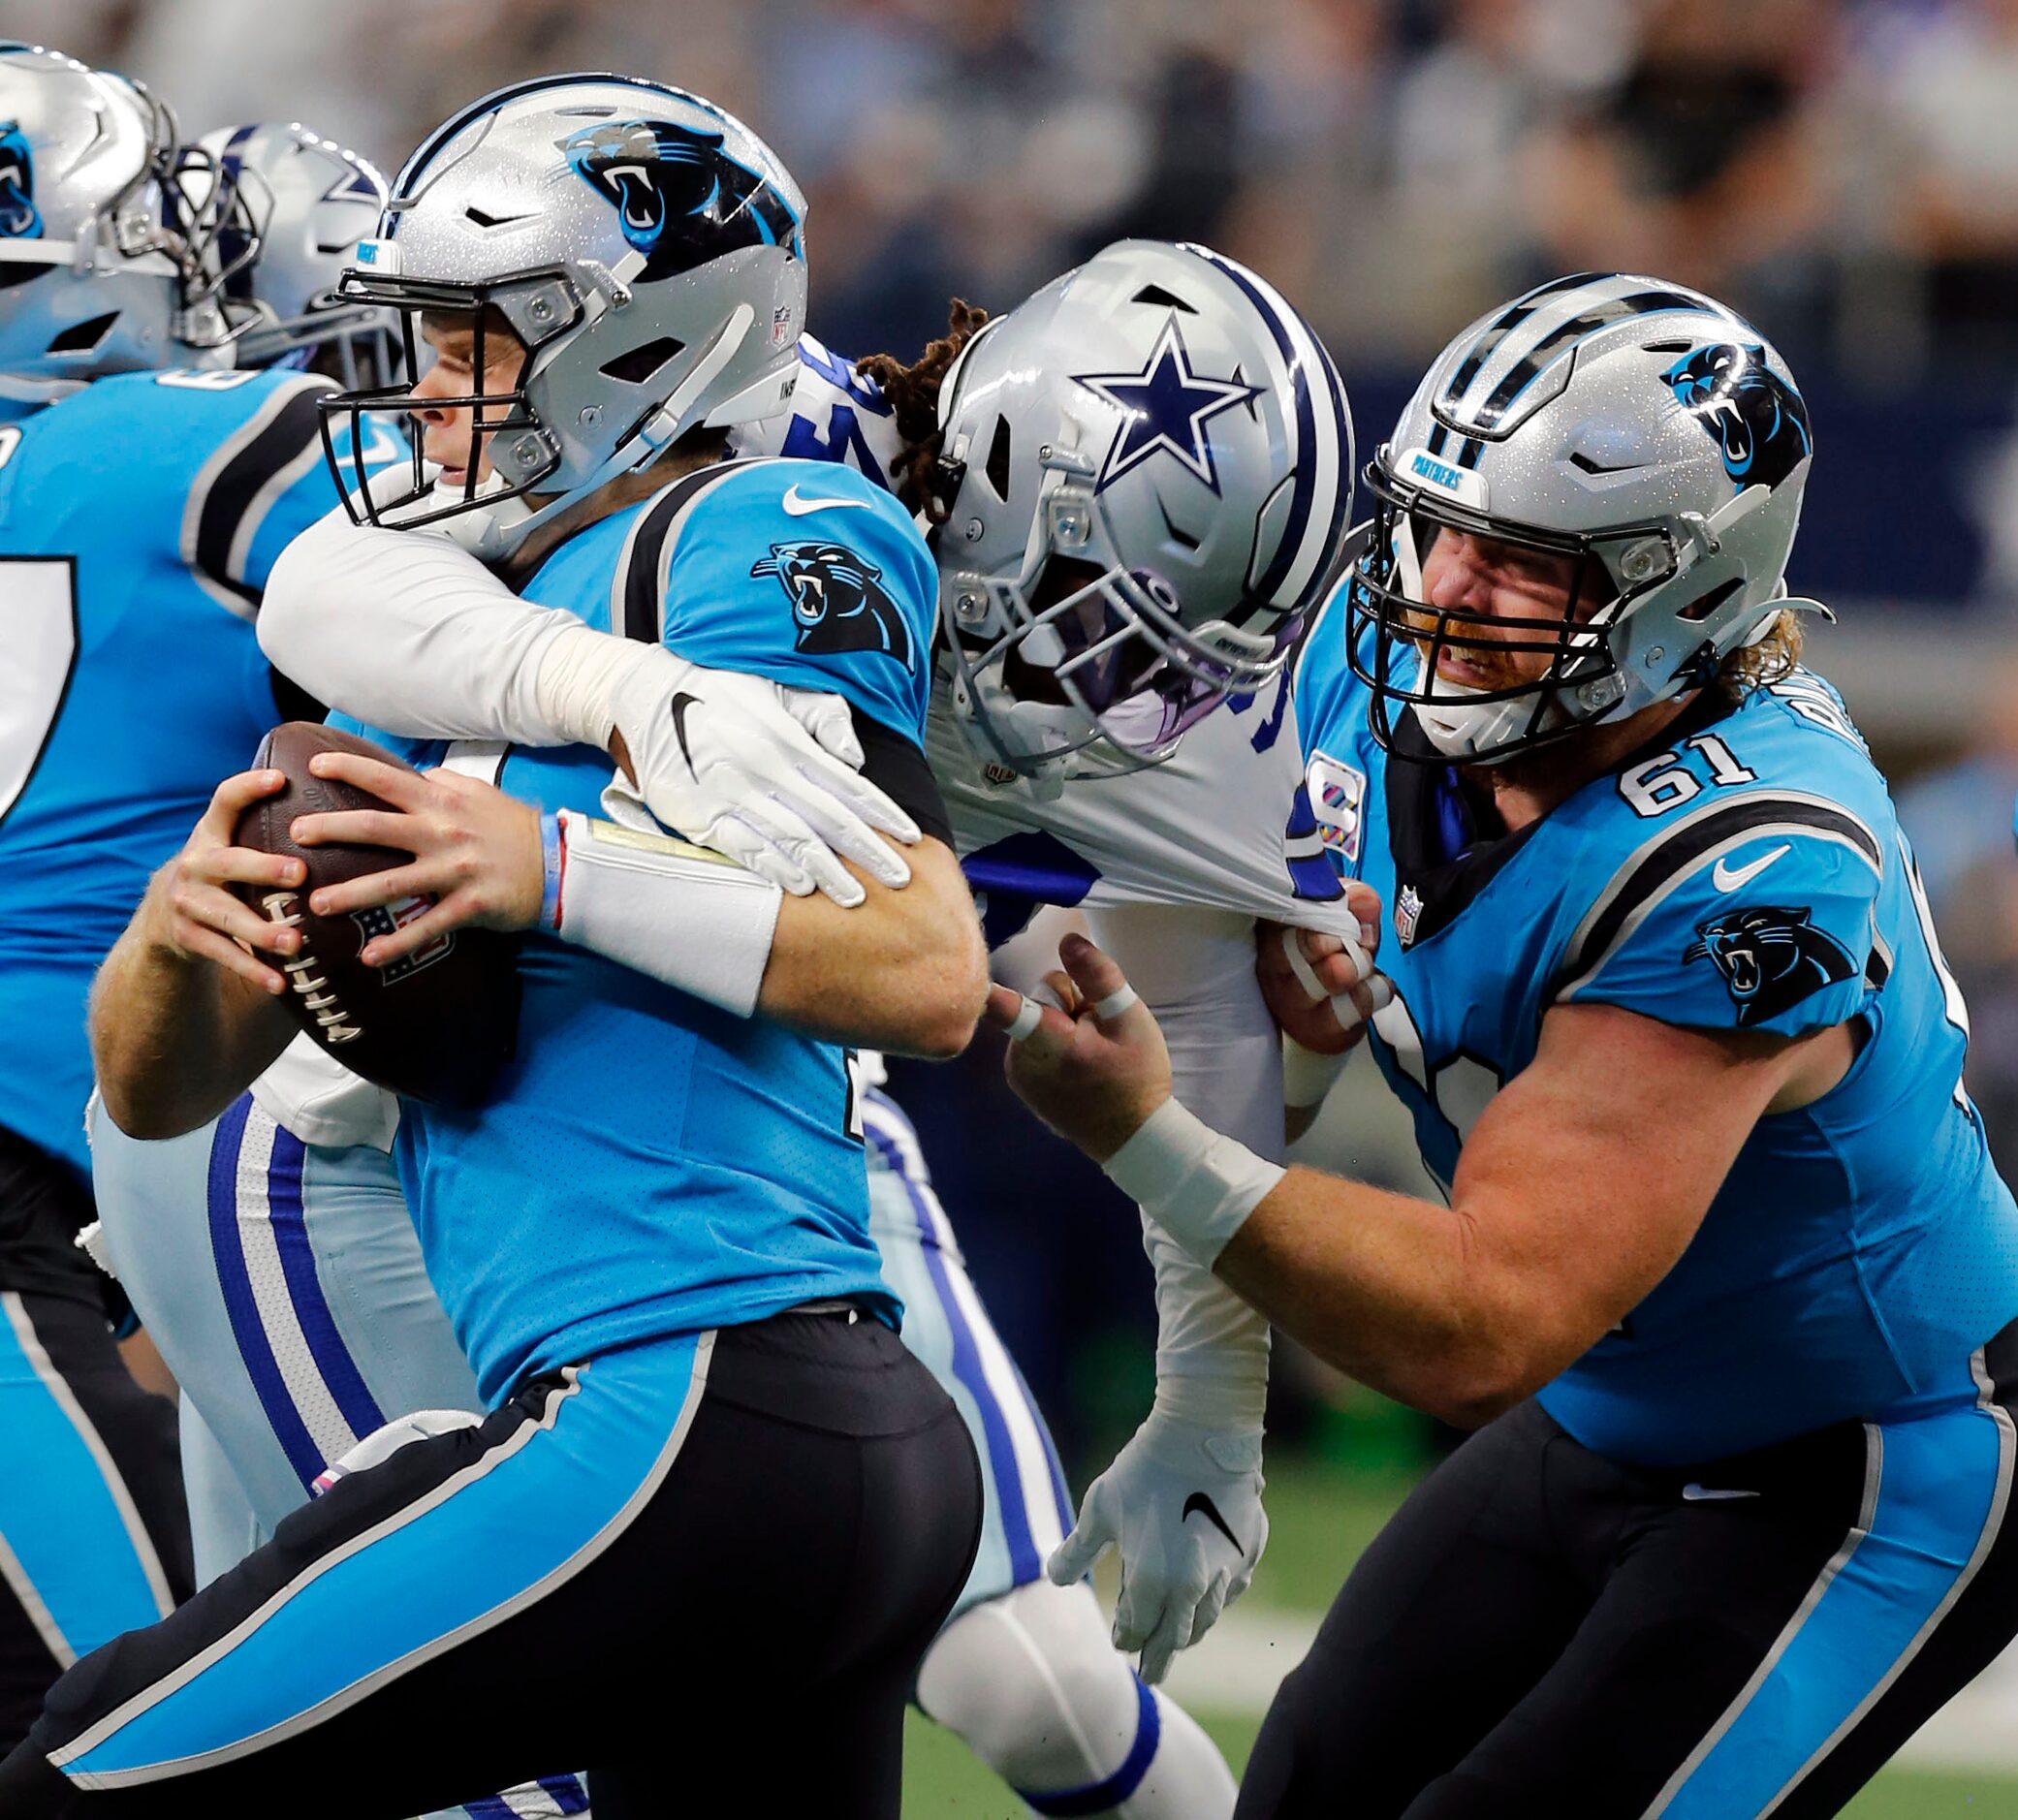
[{"x": 898, "y": 768}]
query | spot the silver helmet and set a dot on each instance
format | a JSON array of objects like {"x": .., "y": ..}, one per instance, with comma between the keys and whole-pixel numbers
[
  {"x": 1641, "y": 429},
  {"x": 99, "y": 263},
  {"x": 1144, "y": 479},
  {"x": 301, "y": 203},
  {"x": 643, "y": 245}
]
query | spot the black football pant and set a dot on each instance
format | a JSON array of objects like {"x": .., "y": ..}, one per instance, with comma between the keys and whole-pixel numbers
[
  {"x": 94, "y": 1535},
  {"x": 703, "y": 1566},
  {"x": 1543, "y": 1633}
]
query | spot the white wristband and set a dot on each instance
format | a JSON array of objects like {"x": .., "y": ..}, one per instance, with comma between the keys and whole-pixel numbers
[
  {"x": 676, "y": 913},
  {"x": 1307, "y": 1073},
  {"x": 1193, "y": 1182},
  {"x": 578, "y": 676}
]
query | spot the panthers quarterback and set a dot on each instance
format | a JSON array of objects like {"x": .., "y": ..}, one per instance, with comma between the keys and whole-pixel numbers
[
  {"x": 133, "y": 678},
  {"x": 1725, "y": 1278},
  {"x": 1127, "y": 538},
  {"x": 651, "y": 1244}
]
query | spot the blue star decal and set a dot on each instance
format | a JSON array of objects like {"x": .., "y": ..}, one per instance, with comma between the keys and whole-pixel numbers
[{"x": 1165, "y": 406}]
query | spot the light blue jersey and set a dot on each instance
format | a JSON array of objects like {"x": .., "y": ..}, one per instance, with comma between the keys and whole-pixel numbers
[
  {"x": 138, "y": 519},
  {"x": 1748, "y": 874},
  {"x": 650, "y": 1165}
]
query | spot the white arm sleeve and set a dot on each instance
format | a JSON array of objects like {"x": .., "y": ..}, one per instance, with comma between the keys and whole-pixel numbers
[
  {"x": 1195, "y": 970},
  {"x": 409, "y": 632}
]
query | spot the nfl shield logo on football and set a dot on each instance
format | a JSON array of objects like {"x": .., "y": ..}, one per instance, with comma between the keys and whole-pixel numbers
[
  {"x": 1337, "y": 794},
  {"x": 1408, "y": 910},
  {"x": 385, "y": 919}
]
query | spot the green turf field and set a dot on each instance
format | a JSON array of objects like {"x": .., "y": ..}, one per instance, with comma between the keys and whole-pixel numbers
[{"x": 1321, "y": 1518}]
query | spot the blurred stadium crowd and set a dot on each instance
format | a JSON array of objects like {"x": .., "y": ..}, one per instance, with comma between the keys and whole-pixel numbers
[
  {"x": 1846, "y": 169},
  {"x": 1843, "y": 170}
]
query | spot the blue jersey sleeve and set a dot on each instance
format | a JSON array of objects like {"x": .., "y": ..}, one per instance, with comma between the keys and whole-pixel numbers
[
  {"x": 1758, "y": 916},
  {"x": 806, "y": 574},
  {"x": 257, "y": 476}
]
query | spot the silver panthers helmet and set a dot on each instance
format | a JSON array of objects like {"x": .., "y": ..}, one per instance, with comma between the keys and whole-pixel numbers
[
  {"x": 644, "y": 247},
  {"x": 99, "y": 266},
  {"x": 303, "y": 205},
  {"x": 1638, "y": 427},
  {"x": 1146, "y": 480}
]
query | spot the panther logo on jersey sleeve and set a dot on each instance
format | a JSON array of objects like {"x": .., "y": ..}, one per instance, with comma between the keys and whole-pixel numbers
[
  {"x": 1754, "y": 414},
  {"x": 1771, "y": 958},
  {"x": 20, "y": 218},
  {"x": 679, "y": 197},
  {"x": 839, "y": 603}
]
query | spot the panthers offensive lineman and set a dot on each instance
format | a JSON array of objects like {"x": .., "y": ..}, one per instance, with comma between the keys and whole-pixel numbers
[
  {"x": 145, "y": 492},
  {"x": 1115, "y": 544},
  {"x": 652, "y": 1240},
  {"x": 1727, "y": 1269}
]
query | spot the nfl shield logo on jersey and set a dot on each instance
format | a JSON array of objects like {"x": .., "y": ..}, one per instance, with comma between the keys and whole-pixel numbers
[
  {"x": 1408, "y": 910},
  {"x": 1337, "y": 793}
]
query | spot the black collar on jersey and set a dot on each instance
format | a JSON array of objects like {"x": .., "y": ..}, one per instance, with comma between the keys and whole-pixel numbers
[{"x": 1442, "y": 857}]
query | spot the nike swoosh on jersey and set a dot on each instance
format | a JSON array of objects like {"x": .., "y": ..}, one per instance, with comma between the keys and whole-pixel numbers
[
  {"x": 680, "y": 704},
  {"x": 1198, "y": 1501},
  {"x": 1695, "y": 1493},
  {"x": 797, "y": 505},
  {"x": 1725, "y": 879}
]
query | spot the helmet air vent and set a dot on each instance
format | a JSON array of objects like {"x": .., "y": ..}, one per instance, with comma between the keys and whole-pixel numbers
[
  {"x": 997, "y": 465},
  {"x": 635, "y": 366},
  {"x": 82, "y": 338},
  {"x": 1162, "y": 300}
]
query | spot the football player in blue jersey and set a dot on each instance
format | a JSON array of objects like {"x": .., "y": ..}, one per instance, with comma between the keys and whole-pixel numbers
[
  {"x": 1727, "y": 1275},
  {"x": 704, "y": 1432},
  {"x": 1059, "y": 453},
  {"x": 145, "y": 492},
  {"x": 269, "y": 1253}
]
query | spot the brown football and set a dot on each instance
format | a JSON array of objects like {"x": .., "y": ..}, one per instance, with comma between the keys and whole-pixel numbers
[{"x": 437, "y": 1024}]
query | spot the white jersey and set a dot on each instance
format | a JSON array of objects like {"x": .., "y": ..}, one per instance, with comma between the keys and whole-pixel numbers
[{"x": 1224, "y": 825}]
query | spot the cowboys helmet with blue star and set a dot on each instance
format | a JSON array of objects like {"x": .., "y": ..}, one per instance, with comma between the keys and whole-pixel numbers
[
  {"x": 301, "y": 204},
  {"x": 1147, "y": 478},
  {"x": 99, "y": 266},
  {"x": 645, "y": 249}
]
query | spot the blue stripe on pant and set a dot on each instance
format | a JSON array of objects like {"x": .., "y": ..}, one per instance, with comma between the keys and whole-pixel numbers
[
  {"x": 73, "y": 1548},
  {"x": 524, "y": 1517},
  {"x": 1936, "y": 1491},
  {"x": 309, "y": 1437},
  {"x": 1027, "y": 1508}
]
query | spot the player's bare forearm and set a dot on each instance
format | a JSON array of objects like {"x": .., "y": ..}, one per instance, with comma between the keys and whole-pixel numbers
[
  {"x": 1577, "y": 1190},
  {"x": 175, "y": 1038},
  {"x": 905, "y": 971}
]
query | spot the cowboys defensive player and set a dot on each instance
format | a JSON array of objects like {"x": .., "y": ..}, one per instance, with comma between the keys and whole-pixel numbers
[
  {"x": 1726, "y": 1271},
  {"x": 1127, "y": 537},
  {"x": 703, "y": 1428},
  {"x": 112, "y": 406}
]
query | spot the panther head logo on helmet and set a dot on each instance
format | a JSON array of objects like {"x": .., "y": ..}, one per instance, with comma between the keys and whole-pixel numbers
[
  {"x": 1771, "y": 958},
  {"x": 20, "y": 218},
  {"x": 681, "y": 199},
  {"x": 838, "y": 600},
  {"x": 1756, "y": 415}
]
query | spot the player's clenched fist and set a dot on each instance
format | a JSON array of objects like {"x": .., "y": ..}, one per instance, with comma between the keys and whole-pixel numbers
[
  {"x": 1322, "y": 988},
  {"x": 190, "y": 911}
]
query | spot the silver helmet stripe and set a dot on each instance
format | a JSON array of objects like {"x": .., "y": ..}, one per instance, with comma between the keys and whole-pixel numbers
[{"x": 1322, "y": 447}]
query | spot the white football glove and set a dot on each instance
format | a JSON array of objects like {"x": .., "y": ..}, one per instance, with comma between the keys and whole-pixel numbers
[
  {"x": 1183, "y": 1505},
  {"x": 763, "y": 773}
]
